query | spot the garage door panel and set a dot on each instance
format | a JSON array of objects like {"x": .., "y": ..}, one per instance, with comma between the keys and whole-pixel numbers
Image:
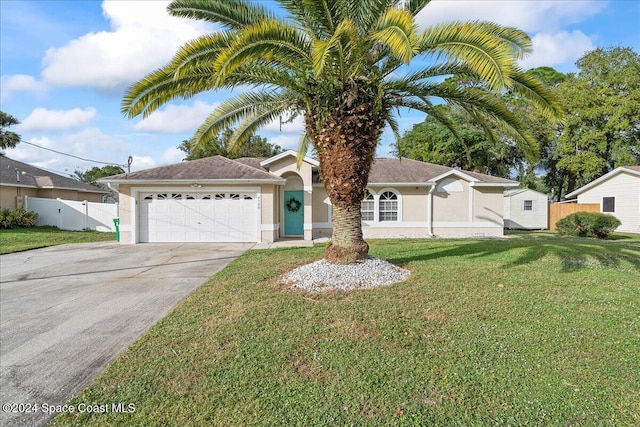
[{"x": 199, "y": 217}]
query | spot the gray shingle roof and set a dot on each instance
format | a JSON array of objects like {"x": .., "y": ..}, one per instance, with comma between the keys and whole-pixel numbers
[
  {"x": 403, "y": 170},
  {"x": 209, "y": 168},
  {"x": 39, "y": 178},
  {"x": 384, "y": 170}
]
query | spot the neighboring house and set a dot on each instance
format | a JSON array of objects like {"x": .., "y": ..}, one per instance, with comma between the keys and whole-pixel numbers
[
  {"x": 19, "y": 179},
  {"x": 525, "y": 209},
  {"x": 264, "y": 200},
  {"x": 618, "y": 193}
]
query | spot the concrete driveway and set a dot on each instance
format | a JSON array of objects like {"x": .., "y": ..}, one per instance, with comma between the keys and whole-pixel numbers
[{"x": 67, "y": 311}]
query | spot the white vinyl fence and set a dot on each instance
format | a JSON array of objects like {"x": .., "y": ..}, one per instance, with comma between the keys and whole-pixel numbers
[{"x": 73, "y": 215}]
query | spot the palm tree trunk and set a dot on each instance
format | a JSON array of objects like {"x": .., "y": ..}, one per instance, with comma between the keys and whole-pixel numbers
[{"x": 346, "y": 140}]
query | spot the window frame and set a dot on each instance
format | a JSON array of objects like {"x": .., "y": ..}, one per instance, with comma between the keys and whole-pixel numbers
[
  {"x": 609, "y": 204},
  {"x": 382, "y": 212},
  {"x": 368, "y": 198}
]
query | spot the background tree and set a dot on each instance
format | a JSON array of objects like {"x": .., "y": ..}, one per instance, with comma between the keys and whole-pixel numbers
[
  {"x": 220, "y": 145},
  {"x": 431, "y": 141},
  {"x": 342, "y": 65},
  {"x": 602, "y": 128},
  {"x": 92, "y": 175},
  {"x": 8, "y": 139}
]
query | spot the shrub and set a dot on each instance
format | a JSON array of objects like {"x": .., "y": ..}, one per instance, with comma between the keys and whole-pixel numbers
[
  {"x": 588, "y": 224},
  {"x": 20, "y": 217}
]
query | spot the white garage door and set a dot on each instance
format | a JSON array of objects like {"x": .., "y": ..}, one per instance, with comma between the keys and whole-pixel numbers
[{"x": 198, "y": 217}]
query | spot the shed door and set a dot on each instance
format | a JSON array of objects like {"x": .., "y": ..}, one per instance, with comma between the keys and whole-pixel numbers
[{"x": 198, "y": 217}]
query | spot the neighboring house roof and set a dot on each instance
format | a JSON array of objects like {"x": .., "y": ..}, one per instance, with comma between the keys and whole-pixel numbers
[
  {"x": 633, "y": 170},
  {"x": 516, "y": 191},
  {"x": 210, "y": 169},
  {"x": 392, "y": 171},
  {"x": 34, "y": 177}
]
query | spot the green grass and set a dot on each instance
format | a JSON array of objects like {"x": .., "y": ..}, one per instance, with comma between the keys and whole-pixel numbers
[
  {"x": 23, "y": 239},
  {"x": 534, "y": 330}
]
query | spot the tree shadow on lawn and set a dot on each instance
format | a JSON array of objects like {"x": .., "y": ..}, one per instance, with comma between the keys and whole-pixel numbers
[{"x": 574, "y": 253}]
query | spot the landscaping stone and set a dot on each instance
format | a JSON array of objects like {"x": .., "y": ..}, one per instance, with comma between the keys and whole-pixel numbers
[{"x": 322, "y": 276}]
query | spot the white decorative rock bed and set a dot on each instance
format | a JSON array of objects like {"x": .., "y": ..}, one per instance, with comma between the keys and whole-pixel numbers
[{"x": 322, "y": 276}]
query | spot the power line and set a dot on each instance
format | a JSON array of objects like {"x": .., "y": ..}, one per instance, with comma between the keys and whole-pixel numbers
[{"x": 71, "y": 155}]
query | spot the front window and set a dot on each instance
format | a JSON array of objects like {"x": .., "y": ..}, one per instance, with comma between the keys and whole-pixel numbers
[
  {"x": 388, "y": 206},
  {"x": 527, "y": 205},
  {"x": 367, "y": 207}
]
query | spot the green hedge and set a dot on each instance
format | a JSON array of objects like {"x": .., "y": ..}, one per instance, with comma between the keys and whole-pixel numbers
[
  {"x": 588, "y": 224},
  {"x": 15, "y": 218}
]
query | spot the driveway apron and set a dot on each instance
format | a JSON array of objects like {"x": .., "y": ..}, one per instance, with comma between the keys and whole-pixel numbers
[{"x": 67, "y": 311}]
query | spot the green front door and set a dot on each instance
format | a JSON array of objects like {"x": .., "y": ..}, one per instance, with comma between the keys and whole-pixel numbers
[{"x": 294, "y": 213}]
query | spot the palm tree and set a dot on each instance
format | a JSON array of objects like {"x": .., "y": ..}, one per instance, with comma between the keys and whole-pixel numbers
[
  {"x": 343, "y": 66},
  {"x": 8, "y": 139}
]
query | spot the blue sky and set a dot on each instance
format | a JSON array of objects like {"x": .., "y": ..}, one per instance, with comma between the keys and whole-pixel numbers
[{"x": 64, "y": 66}]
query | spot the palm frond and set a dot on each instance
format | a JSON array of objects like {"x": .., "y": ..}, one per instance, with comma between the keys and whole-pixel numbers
[
  {"x": 345, "y": 35},
  {"x": 415, "y": 6},
  {"x": 396, "y": 29},
  {"x": 319, "y": 17},
  {"x": 200, "y": 52},
  {"x": 235, "y": 110},
  {"x": 254, "y": 121},
  {"x": 531, "y": 88},
  {"x": 303, "y": 148},
  {"x": 159, "y": 87},
  {"x": 230, "y": 13},
  {"x": 486, "y": 54},
  {"x": 274, "y": 41}
]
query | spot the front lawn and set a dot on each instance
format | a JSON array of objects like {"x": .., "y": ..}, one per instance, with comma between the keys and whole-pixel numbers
[
  {"x": 535, "y": 329},
  {"x": 22, "y": 239}
]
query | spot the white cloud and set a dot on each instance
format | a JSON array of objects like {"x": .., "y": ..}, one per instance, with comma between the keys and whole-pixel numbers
[
  {"x": 172, "y": 155},
  {"x": 177, "y": 118},
  {"x": 142, "y": 162},
  {"x": 20, "y": 83},
  {"x": 528, "y": 15},
  {"x": 90, "y": 143},
  {"x": 143, "y": 37},
  {"x": 556, "y": 49},
  {"x": 297, "y": 125},
  {"x": 42, "y": 119},
  {"x": 287, "y": 141}
]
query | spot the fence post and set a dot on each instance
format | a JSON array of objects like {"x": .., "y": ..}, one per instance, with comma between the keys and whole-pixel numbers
[
  {"x": 26, "y": 203},
  {"x": 85, "y": 219}
]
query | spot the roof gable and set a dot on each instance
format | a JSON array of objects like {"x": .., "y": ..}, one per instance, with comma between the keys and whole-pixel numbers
[
  {"x": 633, "y": 170},
  {"x": 288, "y": 153}
]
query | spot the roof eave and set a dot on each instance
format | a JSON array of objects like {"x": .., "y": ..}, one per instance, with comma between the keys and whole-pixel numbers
[
  {"x": 52, "y": 187},
  {"x": 276, "y": 181},
  {"x": 403, "y": 184},
  {"x": 604, "y": 177},
  {"x": 494, "y": 184}
]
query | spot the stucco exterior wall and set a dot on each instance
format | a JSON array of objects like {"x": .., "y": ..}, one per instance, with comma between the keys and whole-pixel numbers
[
  {"x": 9, "y": 196},
  {"x": 487, "y": 204},
  {"x": 625, "y": 188},
  {"x": 452, "y": 206},
  {"x": 321, "y": 206},
  {"x": 269, "y": 221}
]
